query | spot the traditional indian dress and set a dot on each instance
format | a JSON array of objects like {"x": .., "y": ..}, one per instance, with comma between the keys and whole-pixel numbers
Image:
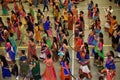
[
  {"x": 78, "y": 44},
  {"x": 84, "y": 68},
  {"x": 70, "y": 22},
  {"x": 89, "y": 9},
  {"x": 31, "y": 11},
  {"x": 90, "y": 39},
  {"x": 13, "y": 17},
  {"x": 65, "y": 15},
  {"x": 37, "y": 33},
  {"x": 65, "y": 72},
  {"x": 6, "y": 74},
  {"x": 31, "y": 50},
  {"x": 99, "y": 50},
  {"x": 36, "y": 70},
  {"x": 46, "y": 25},
  {"x": 10, "y": 56},
  {"x": 16, "y": 8},
  {"x": 108, "y": 22},
  {"x": 13, "y": 43},
  {"x": 24, "y": 66},
  {"x": 48, "y": 42},
  {"x": 55, "y": 51},
  {"x": 11, "y": 27},
  {"x": 4, "y": 8},
  {"x": 56, "y": 13},
  {"x": 112, "y": 25},
  {"x": 75, "y": 14},
  {"x": 110, "y": 69},
  {"x": 49, "y": 73}
]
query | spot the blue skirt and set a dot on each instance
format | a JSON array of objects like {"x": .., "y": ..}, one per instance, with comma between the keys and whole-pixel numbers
[{"x": 6, "y": 72}]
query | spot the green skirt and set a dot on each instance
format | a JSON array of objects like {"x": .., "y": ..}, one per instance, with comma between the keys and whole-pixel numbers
[
  {"x": 49, "y": 43},
  {"x": 5, "y": 11},
  {"x": 100, "y": 53}
]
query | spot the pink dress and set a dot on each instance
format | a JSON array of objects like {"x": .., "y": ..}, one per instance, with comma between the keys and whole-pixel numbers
[{"x": 49, "y": 73}]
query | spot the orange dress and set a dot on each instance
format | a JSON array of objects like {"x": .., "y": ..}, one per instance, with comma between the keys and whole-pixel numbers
[
  {"x": 78, "y": 44},
  {"x": 75, "y": 13},
  {"x": 64, "y": 72},
  {"x": 111, "y": 30},
  {"x": 65, "y": 15},
  {"x": 49, "y": 73},
  {"x": 37, "y": 33},
  {"x": 70, "y": 22}
]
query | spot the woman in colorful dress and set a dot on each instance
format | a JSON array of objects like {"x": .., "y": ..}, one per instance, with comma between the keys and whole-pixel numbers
[
  {"x": 13, "y": 42},
  {"x": 81, "y": 22},
  {"x": 36, "y": 68},
  {"x": 31, "y": 10},
  {"x": 13, "y": 16},
  {"x": 78, "y": 43},
  {"x": 113, "y": 26},
  {"x": 108, "y": 21},
  {"x": 10, "y": 56},
  {"x": 46, "y": 24},
  {"x": 21, "y": 7},
  {"x": 65, "y": 73},
  {"x": 10, "y": 25},
  {"x": 6, "y": 74},
  {"x": 90, "y": 8},
  {"x": 83, "y": 58},
  {"x": 99, "y": 52},
  {"x": 70, "y": 21},
  {"x": 96, "y": 12},
  {"x": 4, "y": 7},
  {"x": 110, "y": 69},
  {"x": 16, "y": 8},
  {"x": 75, "y": 13},
  {"x": 37, "y": 33},
  {"x": 39, "y": 16},
  {"x": 65, "y": 14},
  {"x": 91, "y": 37},
  {"x": 56, "y": 11},
  {"x": 54, "y": 48},
  {"x": 49, "y": 73},
  {"x": 31, "y": 49},
  {"x": 65, "y": 47}
]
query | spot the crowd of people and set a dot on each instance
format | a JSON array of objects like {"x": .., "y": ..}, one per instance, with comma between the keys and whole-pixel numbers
[{"x": 52, "y": 39}]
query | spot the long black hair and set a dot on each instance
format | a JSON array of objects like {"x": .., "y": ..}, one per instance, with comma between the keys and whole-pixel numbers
[
  {"x": 3, "y": 59},
  {"x": 86, "y": 47}
]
